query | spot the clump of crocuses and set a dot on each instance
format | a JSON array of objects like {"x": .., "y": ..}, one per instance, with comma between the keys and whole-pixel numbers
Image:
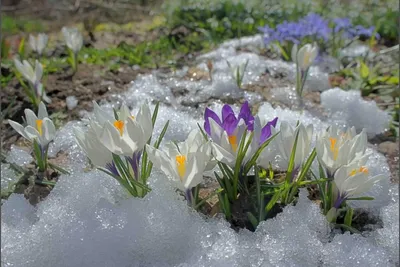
[
  {"x": 115, "y": 143},
  {"x": 245, "y": 148}
]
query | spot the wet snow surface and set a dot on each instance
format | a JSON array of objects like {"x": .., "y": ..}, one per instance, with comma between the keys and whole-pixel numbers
[{"x": 88, "y": 221}]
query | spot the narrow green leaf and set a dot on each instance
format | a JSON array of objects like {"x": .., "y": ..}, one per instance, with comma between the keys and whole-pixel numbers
[
  {"x": 360, "y": 198},
  {"x": 252, "y": 219},
  {"x": 289, "y": 172},
  {"x": 57, "y": 168},
  {"x": 348, "y": 218},
  {"x": 307, "y": 165},
  {"x": 273, "y": 201},
  {"x": 364, "y": 70},
  {"x": 253, "y": 159},
  {"x": 155, "y": 113}
]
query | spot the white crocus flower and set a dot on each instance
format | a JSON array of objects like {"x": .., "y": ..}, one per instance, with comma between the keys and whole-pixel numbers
[
  {"x": 38, "y": 43},
  {"x": 34, "y": 76},
  {"x": 284, "y": 143},
  {"x": 181, "y": 162},
  {"x": 305, "y": 56},
  {"x": 98, "y": 154},
  {"x": 39, "y": 128},
  {"x": 336, "y": 148},
  {"x": 127, "y": 134},
  {"x": 351, "y": 180},
  {"x": 73, "y": 39}
]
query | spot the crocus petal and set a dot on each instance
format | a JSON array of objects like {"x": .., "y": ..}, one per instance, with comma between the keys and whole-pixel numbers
[
  {"x": 223, "y": 155},
  {"x": 49, "y": 130},
  {"x": 160, "y": 160},
  {"x": 194, "y": 173},
  {"x": 110, "y": 137},
  {"x": 30, "y": 117},
  {"x": 32, "y": 133},
  {"x": 144, "y": 119},
  {"x": 208, "y": 113},
  {"x": 38, "y": 71},
  {"x": 135, "y": 133},
  {"x": 42, "y": 113},
  {"x": 230, "y": 123},
  {"x": 32, "y": 42},
  {"x": 124, "y": 113},
  {"x": 266, "y": 130},
  {"x": 18, "y": 128},
  {"x": 227, "y": 111},
  {"x": 245, "y": 114},
  {"x": 101, "y": 115}
]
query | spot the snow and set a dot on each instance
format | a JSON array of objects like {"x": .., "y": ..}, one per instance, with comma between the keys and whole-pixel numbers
[
  {"x": 88, "y": 220},
  {"x": 349, "y": 105}
]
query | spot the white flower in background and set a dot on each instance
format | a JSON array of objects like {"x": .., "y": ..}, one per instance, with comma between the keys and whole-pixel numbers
[
  {"x": 305, "y": 56},
  {"x": 336, "y": 148},
  {"x": 73, "y": 38},
  {"x": 34, "y": 76},
  {"x": 38, "y": 43},
  {"x": 284, "y": 143},
  {"x": 182, "y": 162},
  {"x": 38, "y": 127}
]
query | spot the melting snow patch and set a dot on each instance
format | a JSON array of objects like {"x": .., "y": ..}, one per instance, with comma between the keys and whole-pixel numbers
[
  {"x": 18, "y": 156},
  {"x": 350, "y": 106}
]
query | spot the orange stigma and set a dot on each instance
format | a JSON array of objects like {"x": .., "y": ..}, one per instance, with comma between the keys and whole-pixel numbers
[{"x": 120, "y": 126}]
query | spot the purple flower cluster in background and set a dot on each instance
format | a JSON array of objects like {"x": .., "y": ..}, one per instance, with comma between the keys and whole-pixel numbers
[{"x": 316, "y": 27}]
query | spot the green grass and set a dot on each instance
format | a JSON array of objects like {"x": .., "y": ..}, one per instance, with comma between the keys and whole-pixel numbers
[{"x": 10, "y": 25}]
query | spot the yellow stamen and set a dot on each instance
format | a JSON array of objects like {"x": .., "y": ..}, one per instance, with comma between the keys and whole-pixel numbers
[
  {"x": 361, "y": 169},
  {"x": 334, "y": 149},
  {"x": 120, "y": 126},
  {"x": 232, "y": 141},
  {"x": 39, "y": 126},
  {"x": 181, "y": 165},
  {"x": 133, "y": 117}
]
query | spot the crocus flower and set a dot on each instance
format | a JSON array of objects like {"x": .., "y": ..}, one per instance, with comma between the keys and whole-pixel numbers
[
  {"x": 127, "y": 134},
  {"x": 284, "y": 143},
  {"x": 182, "y": 163},
  {"x": 306, "y": 56},
  {"x": 38, "y": 43},
  {"x": 33, "y": 76},
  {"x": 227, "y": 132},
  {"x": 229, "y": 121},
  {"x": 98, "y": 154},
  {"x": 336, "y": 148},
  {"x": 124, "y": 136},
  {"x": 73, "y": 39},
  {"x": 39, "y": 128},
  {"x": 351, "y": 180}
]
